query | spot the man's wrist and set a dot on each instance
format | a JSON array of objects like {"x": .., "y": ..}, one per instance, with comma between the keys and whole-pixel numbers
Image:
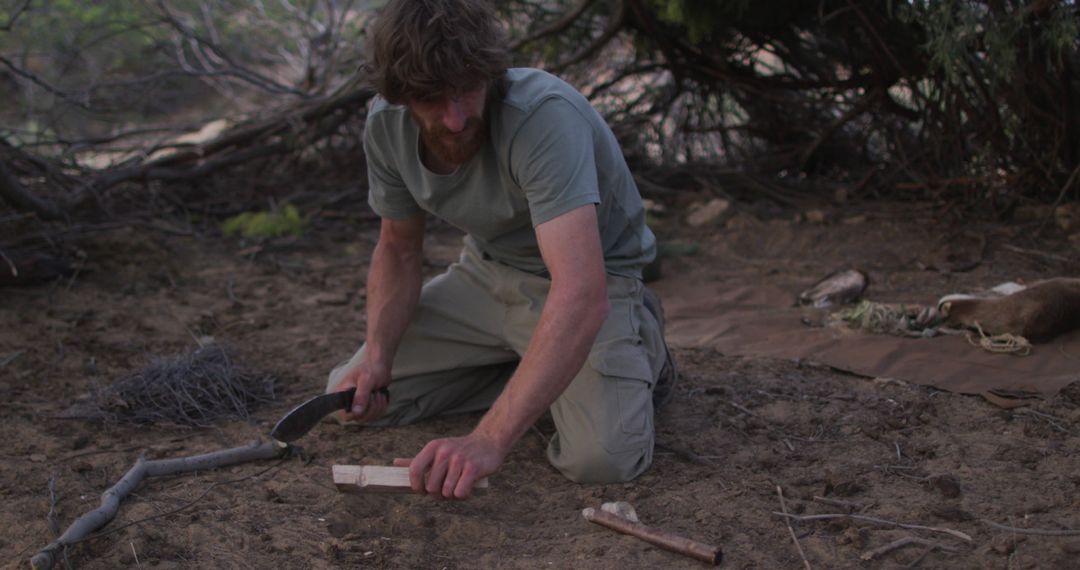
[
  {"x": 376, "y": 361},
  {"x": 499, "y": 438}
]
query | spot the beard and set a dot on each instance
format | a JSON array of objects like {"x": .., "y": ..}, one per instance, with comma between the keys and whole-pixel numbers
[{"x": 451, "y": 148}]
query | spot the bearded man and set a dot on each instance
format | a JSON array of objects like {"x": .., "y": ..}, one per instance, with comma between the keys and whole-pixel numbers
[{"x": 545, "y": 310}]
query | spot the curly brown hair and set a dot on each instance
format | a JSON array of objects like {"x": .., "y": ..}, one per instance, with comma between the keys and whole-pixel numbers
[{"x": 426, "y": 48}]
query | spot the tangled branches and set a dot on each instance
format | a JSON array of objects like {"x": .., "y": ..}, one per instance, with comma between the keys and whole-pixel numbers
[
  {"x": 192, "y": 390},
  {"x": 968, "y": 100}
]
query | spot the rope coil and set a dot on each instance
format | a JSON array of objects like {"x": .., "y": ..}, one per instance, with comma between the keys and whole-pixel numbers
[{"x": 1005, "y": 343}]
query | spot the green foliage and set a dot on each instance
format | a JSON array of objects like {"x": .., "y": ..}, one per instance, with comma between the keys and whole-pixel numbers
[
  {"x": 1061, "y": 35},
  {"x": 966, "y": 38},
  {"x": 265, "y": 224},
  {"x": 700, "y": 17}
]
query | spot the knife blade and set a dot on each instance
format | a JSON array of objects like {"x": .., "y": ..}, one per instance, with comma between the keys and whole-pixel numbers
[{"x": 307, "y": 415}]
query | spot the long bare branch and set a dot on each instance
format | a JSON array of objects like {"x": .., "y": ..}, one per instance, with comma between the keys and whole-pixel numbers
[
  {"x": 15, "y": 15},
  {"x": 205, "y": 48},
  {"x": 555, "y": 27},
  {"x": 111, "y": 498},
  {"x": 31, "y": 77},
  {"x": 614, "y": 25}
]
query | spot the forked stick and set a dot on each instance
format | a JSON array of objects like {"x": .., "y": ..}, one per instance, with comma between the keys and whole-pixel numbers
[{"x": 110, "y": 499}]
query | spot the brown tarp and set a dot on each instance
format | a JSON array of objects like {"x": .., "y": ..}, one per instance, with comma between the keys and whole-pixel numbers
[{"x": 762, "y": 321}]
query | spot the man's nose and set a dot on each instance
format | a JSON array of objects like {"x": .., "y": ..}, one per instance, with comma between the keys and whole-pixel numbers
[{"x": 454, "y": 116}]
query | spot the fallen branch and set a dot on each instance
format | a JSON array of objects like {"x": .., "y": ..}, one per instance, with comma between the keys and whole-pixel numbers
[
  {"x": 875, "y": 520},
  {"x": 12, "y": 192},
  {"x": 1038, "y": 254},
  {"x": 1034, "y": 531},
  {"x": 243, "y": 143},
  {"x": 182, "y": 507},
  {"x": 791, "y": 531},
  {"x": 110, "y": 499},
  {"x": 900, "y": 543},
  {"x": 663, "y": 539}
]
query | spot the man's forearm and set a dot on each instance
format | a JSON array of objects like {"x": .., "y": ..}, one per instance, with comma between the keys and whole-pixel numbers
[
  {"x": 560, "y": 344},
  {"x": 393, "y": 289}
]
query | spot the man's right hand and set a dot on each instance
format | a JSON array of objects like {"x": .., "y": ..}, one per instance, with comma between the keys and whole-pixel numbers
[{"x": 370, "y": 403}]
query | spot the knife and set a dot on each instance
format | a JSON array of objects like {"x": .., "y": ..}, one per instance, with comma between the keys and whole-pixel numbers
[{"x": 307, "y": 415}]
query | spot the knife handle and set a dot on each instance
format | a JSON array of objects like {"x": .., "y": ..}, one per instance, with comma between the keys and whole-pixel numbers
[{"x": 352, "y": 394}]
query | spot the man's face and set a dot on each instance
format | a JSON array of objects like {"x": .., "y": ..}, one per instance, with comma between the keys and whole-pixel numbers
[{"x": 452, "y": 126}]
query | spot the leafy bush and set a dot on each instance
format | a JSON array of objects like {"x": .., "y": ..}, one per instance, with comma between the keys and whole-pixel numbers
[{"x": 266, "y": 224}]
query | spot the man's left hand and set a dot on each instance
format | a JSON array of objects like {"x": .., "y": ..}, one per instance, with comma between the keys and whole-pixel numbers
[{"x": 448, "y": 468}]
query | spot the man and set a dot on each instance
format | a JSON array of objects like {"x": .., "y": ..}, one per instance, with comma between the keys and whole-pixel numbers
[{"x": 545, "y": 309}]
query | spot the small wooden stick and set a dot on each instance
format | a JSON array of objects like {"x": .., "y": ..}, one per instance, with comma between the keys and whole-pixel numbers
[
  {"x": 791, "y": 531},
  {"x": 378, "y": 479},
  {"x": 663, "y": 539},
  {"x": 1033, "y": 531},
  {"x": 902, "y": 542},
  {"x": 956, "y": 533}
]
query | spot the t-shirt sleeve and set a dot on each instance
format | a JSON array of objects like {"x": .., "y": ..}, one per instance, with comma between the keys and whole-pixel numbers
[
  {"x": 387, "y": 194},
  {"x": 552, "y": 159}
]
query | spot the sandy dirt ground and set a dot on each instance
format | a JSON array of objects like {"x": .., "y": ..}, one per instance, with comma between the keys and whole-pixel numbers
[{"x": 881, "y": 453}]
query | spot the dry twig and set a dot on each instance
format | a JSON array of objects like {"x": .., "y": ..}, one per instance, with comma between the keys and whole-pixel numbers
[
  {"x": 1032, "y": 531},
  {"x": 791, "y": 531},
  {"x": 875, "y": 520},
  {"x": 902, "y": 542}
]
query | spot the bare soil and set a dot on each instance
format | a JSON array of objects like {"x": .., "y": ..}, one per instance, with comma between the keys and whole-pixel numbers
[{"x": 738, "y": 427}]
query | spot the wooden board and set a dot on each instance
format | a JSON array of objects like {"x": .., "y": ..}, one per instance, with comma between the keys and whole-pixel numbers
[{"x": 378, "y": 479}]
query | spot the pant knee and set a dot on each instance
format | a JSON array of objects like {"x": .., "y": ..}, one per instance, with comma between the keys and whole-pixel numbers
[{"x": 595, "y": 464}]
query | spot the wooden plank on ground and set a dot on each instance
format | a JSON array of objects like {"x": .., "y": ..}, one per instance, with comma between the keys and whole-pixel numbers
[{"x": 378, "y": 479}]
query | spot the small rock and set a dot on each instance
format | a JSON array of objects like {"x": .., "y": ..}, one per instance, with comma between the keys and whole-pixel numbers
[
  {"x": 815, "y": 216},
  {"x": 37, "y": 457},
  {"x": 708, "y": 213},
  {"x": 621, "y": 509}
]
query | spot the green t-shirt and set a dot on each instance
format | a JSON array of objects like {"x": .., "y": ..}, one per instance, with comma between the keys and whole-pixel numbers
[{"x": 548, "y": 152}]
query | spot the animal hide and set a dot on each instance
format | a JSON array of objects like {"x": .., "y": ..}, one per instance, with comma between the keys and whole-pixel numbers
[{"x": 1038, "y": 312}]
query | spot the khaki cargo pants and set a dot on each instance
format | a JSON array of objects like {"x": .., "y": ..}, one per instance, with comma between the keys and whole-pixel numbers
[{"x": 473, "y": 324}]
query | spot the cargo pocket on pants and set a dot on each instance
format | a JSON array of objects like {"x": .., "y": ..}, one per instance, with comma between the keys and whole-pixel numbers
[{"x": 628, "y": 381}]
